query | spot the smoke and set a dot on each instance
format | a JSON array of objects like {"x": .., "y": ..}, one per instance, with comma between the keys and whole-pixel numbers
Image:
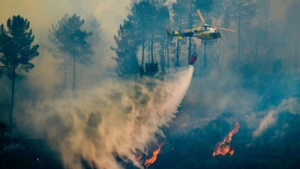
[
  {"x": 287, "y": 105},
  {"x": 267, "y": 121},
  {"x": 116, "y": 119},
  {"x": 211, "y": 96},
  {"x": 120, "y": 118},
  {"x": 42, "y": 14}
]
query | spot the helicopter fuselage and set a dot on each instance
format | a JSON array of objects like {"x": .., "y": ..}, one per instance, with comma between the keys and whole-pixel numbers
[{"x": 204, "y": 33}]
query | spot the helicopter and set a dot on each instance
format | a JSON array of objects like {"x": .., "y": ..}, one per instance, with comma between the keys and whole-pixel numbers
[{"x": 205, "y": 32}]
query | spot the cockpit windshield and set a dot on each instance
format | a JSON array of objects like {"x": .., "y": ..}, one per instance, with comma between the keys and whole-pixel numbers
[{"x": 205, "y": 27}]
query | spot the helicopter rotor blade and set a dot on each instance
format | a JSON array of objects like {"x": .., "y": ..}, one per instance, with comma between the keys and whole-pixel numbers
[
  {"x": 200, "y": 15},
  {"x": 230, "y": 30}
]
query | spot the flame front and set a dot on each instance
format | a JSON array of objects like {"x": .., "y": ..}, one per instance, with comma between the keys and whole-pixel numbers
[
  {"x": 223, "y": 147},
  {"x": 151, "y": 160}
]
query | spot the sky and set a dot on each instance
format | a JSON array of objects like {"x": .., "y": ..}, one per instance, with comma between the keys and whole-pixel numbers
[{"x": 42, "y": 13}]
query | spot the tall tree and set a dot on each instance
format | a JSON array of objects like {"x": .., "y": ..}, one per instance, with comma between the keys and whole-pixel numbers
[
  {"x": 71, "y": 39},
  {"x": 16, "y": 51},
  {"x": 143, "y": 16},
  {"x": 181, "y": 11},
  {"x": 292, "y": 17},
  {"x": 138, "y": 32},
  {"x": 164, "y": 15},
  {"x": 242, "y": 11},
  {"x": 127, "y": 42},
  {"x": 185, "y": 16}
]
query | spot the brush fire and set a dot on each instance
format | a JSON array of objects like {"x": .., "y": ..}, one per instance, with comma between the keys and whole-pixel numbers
[
  {"x": 151, "y": 160},
  {"x": 224, "y": 147}
]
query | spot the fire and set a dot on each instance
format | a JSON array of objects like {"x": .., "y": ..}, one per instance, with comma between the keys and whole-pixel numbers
[
  {"x": 223, "y": 147},
  {"x": 151, "y": 160}
]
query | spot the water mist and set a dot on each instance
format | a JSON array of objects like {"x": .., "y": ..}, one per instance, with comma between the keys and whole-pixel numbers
[{"x": 116, "y": 119}]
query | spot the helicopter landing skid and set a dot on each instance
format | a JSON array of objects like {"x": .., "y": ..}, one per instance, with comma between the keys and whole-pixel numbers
[{"x": 208, "y": 42}]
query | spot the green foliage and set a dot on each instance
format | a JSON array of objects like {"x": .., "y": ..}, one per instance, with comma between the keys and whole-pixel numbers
[
  {"x": 138, "y": 31},
  {"x": 240, "y": 10},
  {"x": 71, "y": 39},
  {"x": 185, "y": 12},
  {"x": 16, "y": 51},
  {"x": 127, "y": 62},
  {"x": 15, "y": 47},
  {"x": 143, "y": 16}
]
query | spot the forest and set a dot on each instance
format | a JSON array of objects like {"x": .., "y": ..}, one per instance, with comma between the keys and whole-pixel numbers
[{"x": 77, "y": 86}]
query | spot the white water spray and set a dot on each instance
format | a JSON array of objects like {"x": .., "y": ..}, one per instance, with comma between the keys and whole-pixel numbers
[{"x": 117, "y": 119}]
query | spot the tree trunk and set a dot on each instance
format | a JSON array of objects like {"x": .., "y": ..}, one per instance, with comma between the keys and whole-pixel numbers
[
  {"x": 162, "y": 61},
  {"x": 74, "y": 73},
  {"x": 296, "y": 55},
  {"x": 190, "y": 38},
  {"x": 168, "y": 54},
  {"x": 239, "y": 33},
  {"x": 177, "y": 49},
  {"x": 149, "y": 49},
  {"x": 177, "y": 54},
  {"x": 189, "y": 52},
  {"x": 204, "y": 57},
  {"x": 12, "y": 96},
  {"x": 152, "y": 56},
  {"x": 65, "y": 72},
  {"x": 256, "y": 42},
  {"x": 143, "y": 49}
]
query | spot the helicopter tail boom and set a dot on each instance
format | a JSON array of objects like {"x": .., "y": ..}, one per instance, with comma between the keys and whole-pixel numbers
[
  {"x": 175, "y": 33},
  {"x": 168, "y": 33}
]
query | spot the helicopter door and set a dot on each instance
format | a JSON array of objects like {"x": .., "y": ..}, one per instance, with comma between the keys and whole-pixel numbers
[{"x": 215, "y": 35}]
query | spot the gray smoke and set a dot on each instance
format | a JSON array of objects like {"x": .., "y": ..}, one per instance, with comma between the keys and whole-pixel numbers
[
  {"x": 118, "y": 118},
  {"x": 288, "y": 105}
]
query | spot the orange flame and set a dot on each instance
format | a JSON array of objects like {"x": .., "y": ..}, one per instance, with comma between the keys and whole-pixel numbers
[
  {"x": 151, "y": 160},
  {"x": 223, "y": 147}
]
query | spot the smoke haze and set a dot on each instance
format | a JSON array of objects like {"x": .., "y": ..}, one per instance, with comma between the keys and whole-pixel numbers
[
  {"x": 288, "y": 105},
  {"x": 114, "y": 119},
  {"x": 43, "y": 14},
  {"x": 111, "y": 118}
]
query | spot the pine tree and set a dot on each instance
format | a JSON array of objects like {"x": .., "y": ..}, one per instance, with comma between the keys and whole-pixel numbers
[
  {"x": 127, "y": 42},
  {"x": 292, "y": 17},
  {"x": 144, "y": 30},
  {"x": 72, "y": 41},
  {"x": 143, "y": 16},
  {"x": 241, "y": 11},
  {"x": 16, "y": 51},
  {"x": 186, "y": 17}
]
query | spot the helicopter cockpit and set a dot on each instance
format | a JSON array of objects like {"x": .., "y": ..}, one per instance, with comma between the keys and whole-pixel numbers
[
  {"x": 205, "y": 27},
  {"x": 197, "y": 30}
]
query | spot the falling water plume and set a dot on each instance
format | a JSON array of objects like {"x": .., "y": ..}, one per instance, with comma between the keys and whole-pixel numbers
[{"x": 114, "y": 120}]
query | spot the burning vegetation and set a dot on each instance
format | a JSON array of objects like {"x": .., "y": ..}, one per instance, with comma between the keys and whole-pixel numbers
[
  {"x": 224, "y": 147},
  {"x": 151, "y": 160},
  {"x": 147, "y": 162}
]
